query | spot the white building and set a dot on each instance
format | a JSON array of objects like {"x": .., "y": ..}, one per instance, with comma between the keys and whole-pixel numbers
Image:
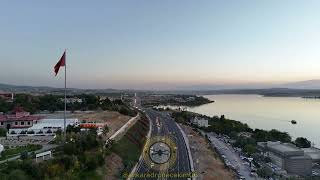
[
  {"x": 44, "y": 127},
  {"x": 72, "y": 100},
  {"x": 288, "y": 157},
  {"x": 1, "y": 149},
  {"x": 200, "y": 122}
]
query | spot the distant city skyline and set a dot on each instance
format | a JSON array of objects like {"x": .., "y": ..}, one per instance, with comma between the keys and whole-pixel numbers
[{"x": 160, "y": 44}]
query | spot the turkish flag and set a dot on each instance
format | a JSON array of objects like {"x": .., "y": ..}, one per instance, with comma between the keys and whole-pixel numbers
[{"x": 61, "y": 62}]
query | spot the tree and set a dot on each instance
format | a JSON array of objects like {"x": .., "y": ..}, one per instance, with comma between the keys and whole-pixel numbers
[
  {"x": 276, "y": 135},
  {"x": 249, "y": 149},
  {"x": 24, "y": 155},
  {"x": 4, "y": 106},
  {"x": 242, "y": 142},
  {"x": 267, "y": 159},
  {"x": 75, "y": 129},
  {"x": 59, "y": 132},
  {"x": 31, "y": 169},
  {"x": 91, "y": 161},
  {"x": 302, "y": 142},
  {"x": 17, "y": 175},
  {"x": 3, "y": 132},
  {"x": 273, "y": 135},
  {"x": 105, "y": 130},
  {"x": 70, "y": 148},
  {"x": 265, "y": 172}
]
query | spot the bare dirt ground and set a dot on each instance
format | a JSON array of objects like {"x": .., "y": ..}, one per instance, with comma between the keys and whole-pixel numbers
[
  {"x": 113, "y": 120},
  {"x": 207, "y": 163}
]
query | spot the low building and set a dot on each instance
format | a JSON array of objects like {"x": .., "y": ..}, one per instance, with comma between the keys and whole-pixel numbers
[
  {"x": 245, "y": 134},
  {"x": 19, "y": 119},
  {"x": 44, "y": 127},
  {"x": 191, "y": 98},
  {"x": 288, "y": 157},
  {"x": 200, "y": 122},
  {"x": 314, "y": 153},
  {"x": 53, "y": 124},
  {"x": 72, "y": 100},
  {"x": 1, "y": 149}
]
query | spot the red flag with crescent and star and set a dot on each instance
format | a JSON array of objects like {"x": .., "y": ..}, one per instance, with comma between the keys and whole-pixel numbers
[{"x": 61, "y": 62}]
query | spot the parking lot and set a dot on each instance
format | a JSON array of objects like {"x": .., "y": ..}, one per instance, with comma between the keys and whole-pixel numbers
[{"x": 231, "y": 157}]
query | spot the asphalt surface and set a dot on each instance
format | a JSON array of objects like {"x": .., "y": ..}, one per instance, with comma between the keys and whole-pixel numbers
[
  {"x": 231, "y": 156},
  {"x": 167, "y": 127}
]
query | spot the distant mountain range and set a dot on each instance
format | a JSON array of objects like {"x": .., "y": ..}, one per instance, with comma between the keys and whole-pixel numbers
[
  {"x": 310, "y": 84},
  {"x": 301, "y": 88},
  {"x": 52, "y": 90}
]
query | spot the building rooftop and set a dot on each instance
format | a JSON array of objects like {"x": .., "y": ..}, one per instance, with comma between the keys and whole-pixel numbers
[
  {"x": 284, "y": 149},
  {"x": 300, "y": 157},
  {"x": 314, "y": 153},
  {"x": 53, "y": 123},
  {"x": 16, "y": 117},
  {"x": 19, "y": 115}
]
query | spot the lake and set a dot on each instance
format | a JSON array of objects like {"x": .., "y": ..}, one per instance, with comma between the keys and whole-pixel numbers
[{"x": 269, "y": 113}]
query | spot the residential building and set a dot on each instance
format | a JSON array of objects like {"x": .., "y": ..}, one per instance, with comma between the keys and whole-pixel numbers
[
  {"x": 19, "y": 119},
  {"x": 288, "y": 157},
  {"x": 200, "y": 122}
]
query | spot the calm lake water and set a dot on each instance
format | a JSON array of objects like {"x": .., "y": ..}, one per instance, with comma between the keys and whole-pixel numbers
[{"x": 269, "y": 113}]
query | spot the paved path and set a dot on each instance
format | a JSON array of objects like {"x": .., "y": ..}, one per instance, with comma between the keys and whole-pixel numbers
[{"x": 44, "y": 148}]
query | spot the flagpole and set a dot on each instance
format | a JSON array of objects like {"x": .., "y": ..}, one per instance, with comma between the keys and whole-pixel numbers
[{"x": 65, "y": 95}]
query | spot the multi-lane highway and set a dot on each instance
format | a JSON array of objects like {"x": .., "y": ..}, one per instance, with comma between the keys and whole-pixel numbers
[{"x": 163, "y": 125}]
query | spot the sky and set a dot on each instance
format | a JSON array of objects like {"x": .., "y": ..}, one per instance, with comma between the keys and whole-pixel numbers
[{"x": 167, "y": 44}]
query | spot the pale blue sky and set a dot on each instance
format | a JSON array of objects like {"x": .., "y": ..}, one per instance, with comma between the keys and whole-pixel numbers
[{"x": 159, "y": 44}]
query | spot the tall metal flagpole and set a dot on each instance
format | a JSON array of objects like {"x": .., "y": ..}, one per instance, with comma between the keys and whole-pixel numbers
[{"x": 65, "y": 94}]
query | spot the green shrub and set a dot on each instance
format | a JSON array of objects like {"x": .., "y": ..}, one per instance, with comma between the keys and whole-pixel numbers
[{"x": 3, "y": 132}]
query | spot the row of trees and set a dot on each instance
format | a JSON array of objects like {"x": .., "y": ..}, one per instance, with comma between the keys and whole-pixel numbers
[
  {"x": 220, "y": 125},
  {"x": 177, "y": 100},
  {"x": 54, "y": 103}
]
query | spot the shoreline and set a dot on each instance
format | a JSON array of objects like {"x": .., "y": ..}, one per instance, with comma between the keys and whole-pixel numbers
[{"x": 293, "y": 136}]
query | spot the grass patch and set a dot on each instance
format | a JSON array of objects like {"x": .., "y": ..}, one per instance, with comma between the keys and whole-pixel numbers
[
  {"x": 90, "y": 175},
  {"x": 16, "y": 151},
  {"x": 128, "y": 149}
]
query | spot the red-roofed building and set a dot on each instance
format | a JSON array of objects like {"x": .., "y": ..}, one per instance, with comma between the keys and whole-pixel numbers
[{"x": 19, "y": 119}]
